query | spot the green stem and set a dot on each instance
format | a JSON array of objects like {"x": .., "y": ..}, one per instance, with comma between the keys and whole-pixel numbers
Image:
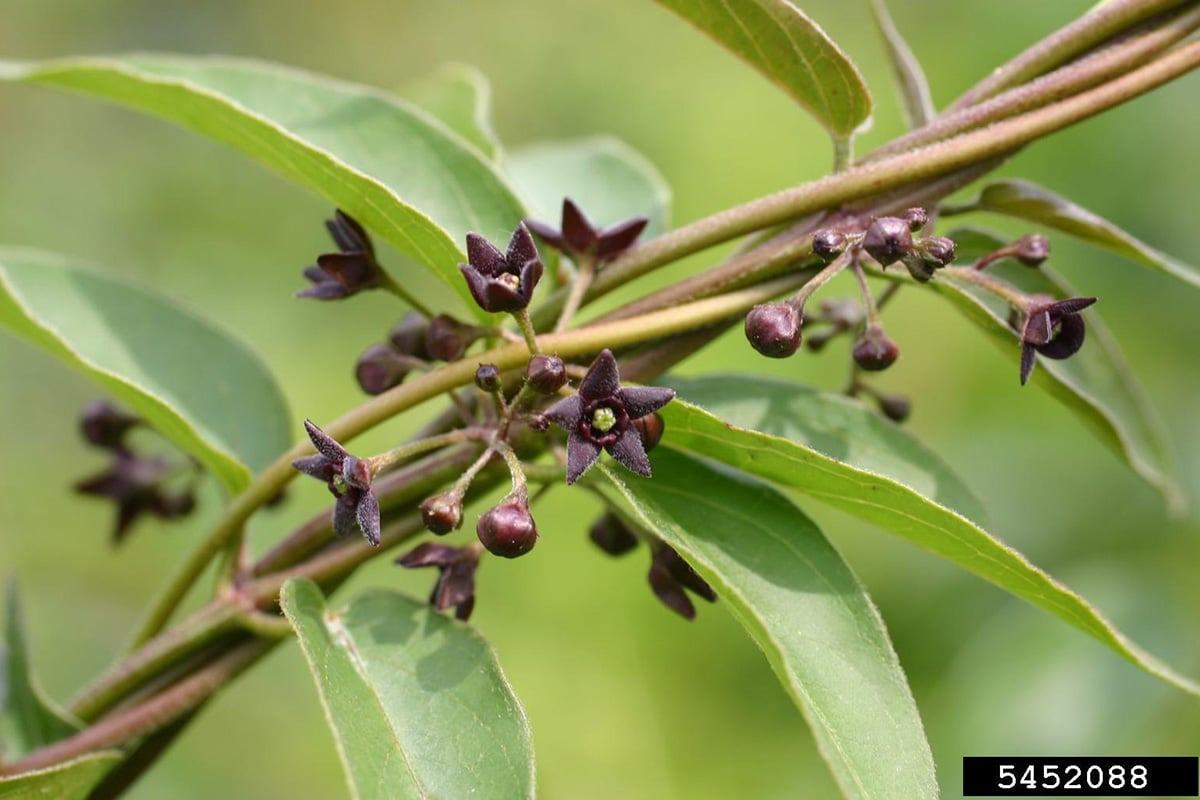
[
  {"x": 523, "y": 320},
  {"x": 1064, "y": 44},
  {"x": 823, "y": 277},
  {"x": 868, "y": 298},
  {"x": 390, "y": 284},
  {"x": 843, "y": 153},
  {"x": 583, "y": 279}
]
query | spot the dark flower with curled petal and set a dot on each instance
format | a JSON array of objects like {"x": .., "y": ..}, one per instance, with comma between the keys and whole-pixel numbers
[
  {"x": 670, "y": 575},
  {"x": 348, "y": 271},
  {"x": 1051, "y": 327},
  {"x": 579, "y": 239},
  {"x": 349, "y": 480},
  {"x": 502, "y": 281},
  {"x": 456, "y": 584},
  {"x": 106, "y": 426},
  {"x": 600, "y": 417},
  {"x": 136, "y": 486}
]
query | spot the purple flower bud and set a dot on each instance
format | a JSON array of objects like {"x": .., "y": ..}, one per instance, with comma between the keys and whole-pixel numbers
[
  {"x": 875, "y": 350},
  {"x": 487, "y": 378},
  {"x": 773, "y": 329},
  {"x": 508, "y": 529},
  {"x": 1031, "y": 249},
  {"x": 895, "y": 407},
  {"x": 938, "y": 251},
  {"x": 380, "y": 368},
  {"x": 442, "y": 513},
  {"x": 447, "y": 338},
  {"x": 408, "y": 335},
  {"x": 828, "y": 244},
  {"x": 916, "y": 219},
  {"x": 610, "y": 533},
  {"x": 887, "y": 240},
  {"x": 546, "y": 374}
]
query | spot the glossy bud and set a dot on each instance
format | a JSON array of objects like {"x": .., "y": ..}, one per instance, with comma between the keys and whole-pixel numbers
[
  {"x": 650, "y": 428},
  {"x": 887, "y": 240},
  {"x": 487, "y": 378},
  {"x": 828, "y": 244},
  {"x": 1032, "y": 249},
  {"x": 875, "y": 351},
  {"x": 442, "y": 513},
  {"x": 508, "y": 529},
  {"x": 938, "y": 251},
  {"x": 773, "y": 329},
  {"x": 380, "y": 368},
  {"x": 546, "y": 374}
]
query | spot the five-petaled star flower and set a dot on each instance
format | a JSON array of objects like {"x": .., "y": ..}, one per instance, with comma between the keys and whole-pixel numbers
[
  {"x": 456, "y": 584},
  {"x": 502, "y": 281},
  {"x": 580, "y": 240},
  {"x": 348, "y": 271},
  {"x": 136, "y": 486},
  {"x": 348, "y": 478},
  {"x": 1052, "y": 328},
  {"x": 601, "y": 416}
]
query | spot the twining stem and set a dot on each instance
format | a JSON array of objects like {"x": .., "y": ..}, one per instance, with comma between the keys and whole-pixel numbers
[
  {"x": 1064, "y": 44},
  {"x": 585, "y": 271}
]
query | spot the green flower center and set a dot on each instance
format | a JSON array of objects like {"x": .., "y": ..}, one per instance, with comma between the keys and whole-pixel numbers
[{"x": 604, "y": 419}]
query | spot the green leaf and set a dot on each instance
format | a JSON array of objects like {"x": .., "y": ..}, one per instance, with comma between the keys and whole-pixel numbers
[
  {"x": 71, "y": 780},
  {"x": 417, "y": 703},
  {"x": 144, "y": 350},
  {"x": 792, "y": 51},
  {"x": 399, "y": 170},
  {"x": 605, "y": 177},
  {"x": 901, "y": 510},
  {"x": 1096, "y": 384},
  {"x": 906, "y": 69},
  {"x": 803, "y": 606},
  {"x": 833, "y": 425},
  {"x": 461, "y": 97},
  {"x": 31, "y": 719},
  {"x": 1028, "y": 201}
]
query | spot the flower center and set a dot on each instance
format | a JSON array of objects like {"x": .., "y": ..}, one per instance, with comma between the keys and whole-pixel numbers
[
  {"x": 511, "y": 281},
  {"x": 604, "y": 419}
]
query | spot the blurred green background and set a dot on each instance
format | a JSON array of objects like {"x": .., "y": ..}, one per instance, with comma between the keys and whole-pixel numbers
[{"x": 625, "y": 699}]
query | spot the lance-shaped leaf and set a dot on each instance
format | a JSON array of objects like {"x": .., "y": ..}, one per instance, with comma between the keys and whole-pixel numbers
[
  {"x": 393, "y": 166},
  {"x": 417, "y": 703},
  {"x": 1096, "y": 384},
  {"x": 144, "y": 350},
  {"x": 461, "y": 97},
  {"x": 900, "y": 509},
  {"x": 71, "y": 780},
  {"x": 917, "y": 102},
  {"x": 31, "y": 720},
  {"x": 799, "y": 601},
  {"x": 1036, "y": 204},
  {"x": 792, "y": 51},
  {"x": 605, "y": 177},
  {"x": 834, "y": 425}
]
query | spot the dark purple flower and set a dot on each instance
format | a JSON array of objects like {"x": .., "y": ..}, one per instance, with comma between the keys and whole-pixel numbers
[
  {"x": 456, "y": 582},
  {"x": 1053, "y": 328},
  {"x": 581, "y": 240},
  {"x": 670, "y": 575},
  {"x": 348, "y": 271},
  {"x": 105, "y": 426},
  {"x": 502, "y": 281},
  {"x": 349, "y": 480},
  {"x": 600, "y": 417},
  {"x": 136, "y": 486}
]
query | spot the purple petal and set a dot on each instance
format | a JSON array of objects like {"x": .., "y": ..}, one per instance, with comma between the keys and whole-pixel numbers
[
  {"x": 477, "y": 284},
  {"x": 325, "y": 290},
  {"x": 1071, "y": 333},
  {"x": 106, "y": 484},
  {"x": 1028, "y": 358},
  {"x": 484, "y": 256},
  {"x": 531, "y": 273},
  {"x": 1038, "y": 328},
  {"x": 325, "y": 444},
  {"x": 521, "y": 248},
  {"x": 353, "y": 234},
  {"x": 127, "y": 514},
  {"x": 602, "y": 379},
  {"x": 642, "y": 400},
  {"x": 463, "y": 612},
  {"x": 630, "y": 452},
  {"x": 355, "y": 271},
  {"x": 343, "y": 513},
  {"x": 367, "y": 513},
  {"x": 566, "y": 413},
  {"x": 317, "y": 466},
  {"x": 315, "y": 274},
  {"x": 618, "y": 238},
  {"x": 502, "y": 298},
  {"x": 456, "y": 585},
  {"x": 581, "y": 454},
  {"x": 577, "y": 230},
  {"x": 549, "y": 235},
  {"x": 670, "y": 591},
  {"x": 429, "y": 554},
  {"x": 683, "y": 572},
  {"x": 1072, "y": 305}
]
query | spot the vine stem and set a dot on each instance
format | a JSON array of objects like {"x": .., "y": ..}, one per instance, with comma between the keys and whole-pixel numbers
[
  {"x": 865, "y": 180},
  {"x": 579, "y": 342},
  {"x": 583, "y": 279}
]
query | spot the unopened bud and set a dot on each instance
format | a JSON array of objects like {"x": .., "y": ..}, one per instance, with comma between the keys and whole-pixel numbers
[
  {"x": 828, "y": 244},
  {"x": 442, "y": 513},
  {"x": 408, "y": 335},
  {"x": 938, "y": 251},
  {"x": 1032, "y": 249},
  {"x": 887, "y": 240},
  {"x": 546, "y": 374},
  {"x": 380, "y": 368},
  {"x": 916, "y": 219},
  {"x": 447, "y": 338},
  {"x": 773, "y": 329},
  {"x": 650, "y": 428},
  {"x": 612, "y": 535},
  {"x": 508, "y": 529},
  {"x": 895, "y": 407},
  {"x": 487, "y": 378},
  {"x": 875, "y": 351}
]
